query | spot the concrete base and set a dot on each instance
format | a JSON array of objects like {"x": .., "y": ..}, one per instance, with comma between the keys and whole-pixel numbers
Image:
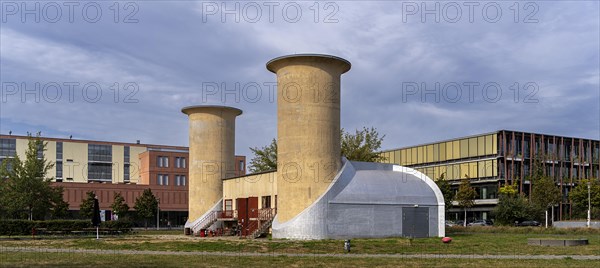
[
  {"x": 557, "y": 242},
  {"x": 576, "y": 224}
]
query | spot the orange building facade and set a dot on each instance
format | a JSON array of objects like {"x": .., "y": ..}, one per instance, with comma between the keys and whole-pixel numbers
[{"x": 107, "y": 168}]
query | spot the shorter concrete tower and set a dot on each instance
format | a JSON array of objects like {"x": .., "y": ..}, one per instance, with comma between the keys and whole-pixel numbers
[
  {"x": 308, "y": 128},
  {"x": 211, "y": 156}
]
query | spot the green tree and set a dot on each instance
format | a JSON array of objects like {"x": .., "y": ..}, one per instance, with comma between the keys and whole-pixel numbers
[
  {"x": 60, "y": 209},
  {"x": 360, "y": 146},
  {"x": 579, "y": 197},
  {"x": 86, "y": 209},
  {"x": 545, "y": 193},
  {"x": 25, "y": 189},
  {"x": 512, "y": 207},
  {"x": 146, "y": 205},
  {"x": 363, "y": 145},
  {"x": 265, "y": 158},
  {"x": 119, "y": 206},
  {"x": 465, "y": 196},
  {"x": 446, "y": 190}
]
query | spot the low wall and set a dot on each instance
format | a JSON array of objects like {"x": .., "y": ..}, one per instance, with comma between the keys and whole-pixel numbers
[
  {"x": 557, "y": 242},
  {"x": 576, "y": 224}
]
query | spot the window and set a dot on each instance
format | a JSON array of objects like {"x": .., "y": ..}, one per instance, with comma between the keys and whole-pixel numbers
[
  {"x": 487, "y": 192},
  {"x": 180, "y": 180},
  {"x": 228, "y": 205},
  {"x": 162, "y": 161},
  {"x": 442, "y": 151},
  {"x": 464, "y": 148},
  {"x": 481, "y": 146},
  {"x": 489, "y": 144},
  {"x": 390, "y": 157},
  {"x": 100, "y": 172},
  {"x": 126, "y": 154},
  {"x": 40, "y": 150},
  {"x": 59, "y": 163},
  {"x": 8, "y": 163},
  {"x": 464, "y": 170},
  {"x": 455, "y": 149},
  {"x": 472, "y": 147},
  {"x": 566, "y": 151},
  {"x": 8, "y": 147},
  {"x": 99, "y": 153},
  {"x": 403, "y": 157},
  {"x": 59, "y": 151},
  {"x": 162, "y": 179},
  {"x": 179, "y": 162},
  {"x": 420, "y": 154},
  {"x": 99, "y": 162},
  {"x": 473, "y": 170},
  {"x": 126, "y": 174},
  {"x": 266, "y": 201},
  {"x": 526, "y": 148},
  {"x": 59, "y": 170},
  {"x": 429, "y": 154}
]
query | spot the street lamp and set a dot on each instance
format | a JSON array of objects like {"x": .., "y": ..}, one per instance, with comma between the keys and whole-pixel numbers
[
  {"x": 157, "y": 214},
  {"x": 589, "y": 218}
]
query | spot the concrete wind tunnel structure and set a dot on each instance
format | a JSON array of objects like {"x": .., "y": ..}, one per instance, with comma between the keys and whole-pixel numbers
[
  {"x": 318, "y": 194},
  {"x": 308, "y": 128},
  {"x": 211, "y": 156}
]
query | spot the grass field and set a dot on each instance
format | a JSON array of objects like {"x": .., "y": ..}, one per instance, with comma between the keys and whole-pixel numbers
[
  {"x": 96, "y": 260},
  {"x": 466, "y": 241}
]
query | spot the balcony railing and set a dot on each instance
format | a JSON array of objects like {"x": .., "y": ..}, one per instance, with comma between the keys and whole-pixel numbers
[{"x": 227, "y": 214}]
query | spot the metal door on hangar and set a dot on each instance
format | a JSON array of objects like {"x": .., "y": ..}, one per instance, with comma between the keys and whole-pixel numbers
[{"x": 415, "y": 222}]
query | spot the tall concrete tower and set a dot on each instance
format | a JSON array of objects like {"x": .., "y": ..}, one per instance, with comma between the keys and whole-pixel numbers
[
  {"x": 212, "y": 155},
  {"x": 308, "y": 128}
]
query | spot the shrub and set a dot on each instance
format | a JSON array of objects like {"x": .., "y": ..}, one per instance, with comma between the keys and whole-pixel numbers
[
  {"x": 16, "y": 227},
  {"x": 124, "y": 225},
  {"x": 24, "y": 227}
]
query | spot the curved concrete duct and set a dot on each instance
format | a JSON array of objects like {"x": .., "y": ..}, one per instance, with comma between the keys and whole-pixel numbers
[
  {"x": 211, "y": 155},
  {"x": 308, "y": 128}
]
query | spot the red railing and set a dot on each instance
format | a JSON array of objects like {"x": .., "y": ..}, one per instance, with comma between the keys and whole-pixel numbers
[
  {"x": 227, "y": 214},
  {"x": 250, "y": 228}
]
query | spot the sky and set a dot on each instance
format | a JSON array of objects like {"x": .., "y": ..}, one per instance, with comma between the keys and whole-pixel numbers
[{"x": 421, "y": 71}]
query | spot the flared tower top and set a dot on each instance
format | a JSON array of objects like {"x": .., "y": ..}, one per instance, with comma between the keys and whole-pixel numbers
[
  {"x": 275, "y": 64},
  {"x": 205, "y": 108}
]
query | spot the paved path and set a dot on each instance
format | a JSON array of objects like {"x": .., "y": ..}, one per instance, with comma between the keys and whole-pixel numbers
[{"x": 336, "y": 255}]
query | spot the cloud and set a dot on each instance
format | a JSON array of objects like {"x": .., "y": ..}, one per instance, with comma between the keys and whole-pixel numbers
[{"x": 172, "y": 54}]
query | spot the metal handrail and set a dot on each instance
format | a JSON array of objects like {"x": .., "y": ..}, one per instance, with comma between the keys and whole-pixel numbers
[
  {"x": 210, "y": 217},
  {"x": 266, "y": 214}
]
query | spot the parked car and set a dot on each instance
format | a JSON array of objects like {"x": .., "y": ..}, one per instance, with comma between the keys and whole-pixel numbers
[
  {"x": 481, "y": 223},
  {"x": 450, "y": 224},
  {"x": 529, "y": 223}
]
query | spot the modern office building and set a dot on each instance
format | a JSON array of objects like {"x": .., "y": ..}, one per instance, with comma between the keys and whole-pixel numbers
[
  {"x": 110, "y": 167},
  {"x": 492, "y": 160}
]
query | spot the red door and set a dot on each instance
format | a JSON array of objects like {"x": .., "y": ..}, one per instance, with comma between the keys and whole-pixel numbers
[
  {"x": 252, "y": 207},
  {"x": 242, "y": 208}
]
